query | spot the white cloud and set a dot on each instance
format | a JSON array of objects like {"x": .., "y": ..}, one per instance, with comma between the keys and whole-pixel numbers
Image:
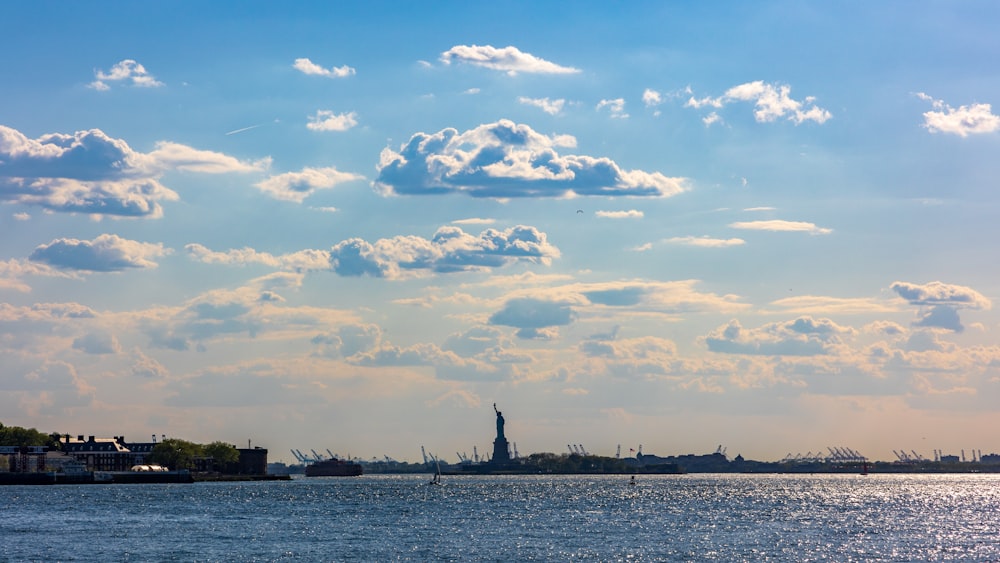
[
  {"x": 551, "y": 107},
  {"x": 450, "y": 250},
  {"x": 534, "y": 318},
  {"x": 804, "y": 336},
  {"x": 106, "y": 253},
  {"x": 974, "y": 119},
  {"x": 306, "y": 66},
  {"x": 144, "y": 366},
  {"x": 90, "y": 172},
  {"x": 326, "y": 120},
  {"x": 507, "y": 59},
  {"x": 504, "y": 160},
  {"x": 128, "y": 71},
  {"x": 630, "y": 214},
  {"x": 615, "y": 106},
  {"x": 778, "y": 225},
  {"x": 823, "y": 305},
  {"x": 474, "y": 221},
  {"x": 97, "y": 343},
  {"x": 651, "y": 98},
  {"x": 711, "y": 119},
  {"x": 12, "y": 271},
  {"x": 706, "y": 242},
  {"x": 301, "y": 261},
  {"x": 296, "y": 186},
  {"x": 937, "y": 293},
  {"x": 939, "y": 303},
  {"x": 770, "y": 101},
  {"x": 175, "y": 156}
]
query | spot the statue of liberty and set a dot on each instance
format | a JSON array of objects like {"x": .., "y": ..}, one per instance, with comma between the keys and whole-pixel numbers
[{"x": 500, "y": 423}]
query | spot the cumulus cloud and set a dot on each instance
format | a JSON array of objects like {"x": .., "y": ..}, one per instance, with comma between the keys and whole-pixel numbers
[
  {"x": 507, "y": 59},
  {"x": 629, "y": 214},
  {"x": 348, "y": 340},
  {"x": 254, "y": 310},
  {"x": 771, "y": 102},
  {"x": 973, "y": 119},
  {"x": 126, "y": 71},
  {"x": 53, "y": 386},
  {"x": 532, "y": 316},
  {"x": 90, "y": 172},
  {"x": 504, "y": 160},
  {"x": 538, "y": 312},
  {"x": 144, "y": 366},
  {"x": 306, "y": 66},
  {"x": 97, "y": 343},
  {"x": 326, "y": 120},
  {"x": 706, "y": 242},
  {"x": 651, "y": 98},
  {"x": 633, "y": 358},
  {"x": 937, "y": 293},
  {"x": 778, "y": 225},
  {"x": 450, "y": 250},
  {"x": 175, "y": 156},
  {"x": 106, "y": 253},
  {"x": 296, "y": 186},
  {"x": 804, "y": 336},
  {"x": 13, "y": 271},
  {"x": 615, "y": 106},
  {"x": 551, "y": 107},
  {"x": 939, "y": 303},
  {"x": 301, "y": 261}
]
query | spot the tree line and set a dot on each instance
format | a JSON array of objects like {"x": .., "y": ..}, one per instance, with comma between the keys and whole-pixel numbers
[{"x": 172, "y": 453}]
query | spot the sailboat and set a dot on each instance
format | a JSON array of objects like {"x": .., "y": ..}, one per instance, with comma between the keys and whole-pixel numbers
[{"x": 436, "y": 480}]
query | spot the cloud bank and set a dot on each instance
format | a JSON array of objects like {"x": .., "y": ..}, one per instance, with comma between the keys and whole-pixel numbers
[
  {"x": 507, "y": 160},
  {"x": 106, "y": 253}
]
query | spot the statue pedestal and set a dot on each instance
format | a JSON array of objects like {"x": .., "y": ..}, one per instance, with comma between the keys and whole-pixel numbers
[{"x": 501, "y": 452}]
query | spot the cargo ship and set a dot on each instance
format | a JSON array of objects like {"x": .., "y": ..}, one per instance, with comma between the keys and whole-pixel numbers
[{"x": 333, "y": 468}]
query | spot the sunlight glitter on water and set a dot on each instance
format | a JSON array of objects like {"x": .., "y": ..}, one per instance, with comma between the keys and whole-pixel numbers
[{"x": 524, "y": 518}]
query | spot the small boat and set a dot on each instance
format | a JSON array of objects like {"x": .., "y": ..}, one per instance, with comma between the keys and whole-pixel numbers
[{"x": 436, "y": 479}]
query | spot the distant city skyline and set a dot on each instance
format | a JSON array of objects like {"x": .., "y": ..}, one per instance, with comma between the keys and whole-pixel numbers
[{"x": 769, "y": 226}]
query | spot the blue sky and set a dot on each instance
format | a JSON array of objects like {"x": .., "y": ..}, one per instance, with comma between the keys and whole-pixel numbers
[{"x": 765, "y": 225}]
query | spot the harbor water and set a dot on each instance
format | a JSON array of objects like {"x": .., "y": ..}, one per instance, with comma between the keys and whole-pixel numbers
[{"x": 512, "y": 518}]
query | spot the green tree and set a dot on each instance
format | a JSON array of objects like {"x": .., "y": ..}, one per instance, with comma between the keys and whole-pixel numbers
[
  {"x": 176, "y": 454},
  {"x": 17, "y": 436},
  {"x": 226, "y": 456}
]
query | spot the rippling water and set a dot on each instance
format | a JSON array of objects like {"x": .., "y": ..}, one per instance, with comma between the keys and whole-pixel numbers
[{"x": 518, "y": 518}]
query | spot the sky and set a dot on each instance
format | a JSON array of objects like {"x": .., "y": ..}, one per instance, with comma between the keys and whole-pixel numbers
[{"x": 766, "y": 226}]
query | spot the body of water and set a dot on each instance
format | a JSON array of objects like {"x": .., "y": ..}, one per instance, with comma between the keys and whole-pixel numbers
[{"x": 512, "y": 518}]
